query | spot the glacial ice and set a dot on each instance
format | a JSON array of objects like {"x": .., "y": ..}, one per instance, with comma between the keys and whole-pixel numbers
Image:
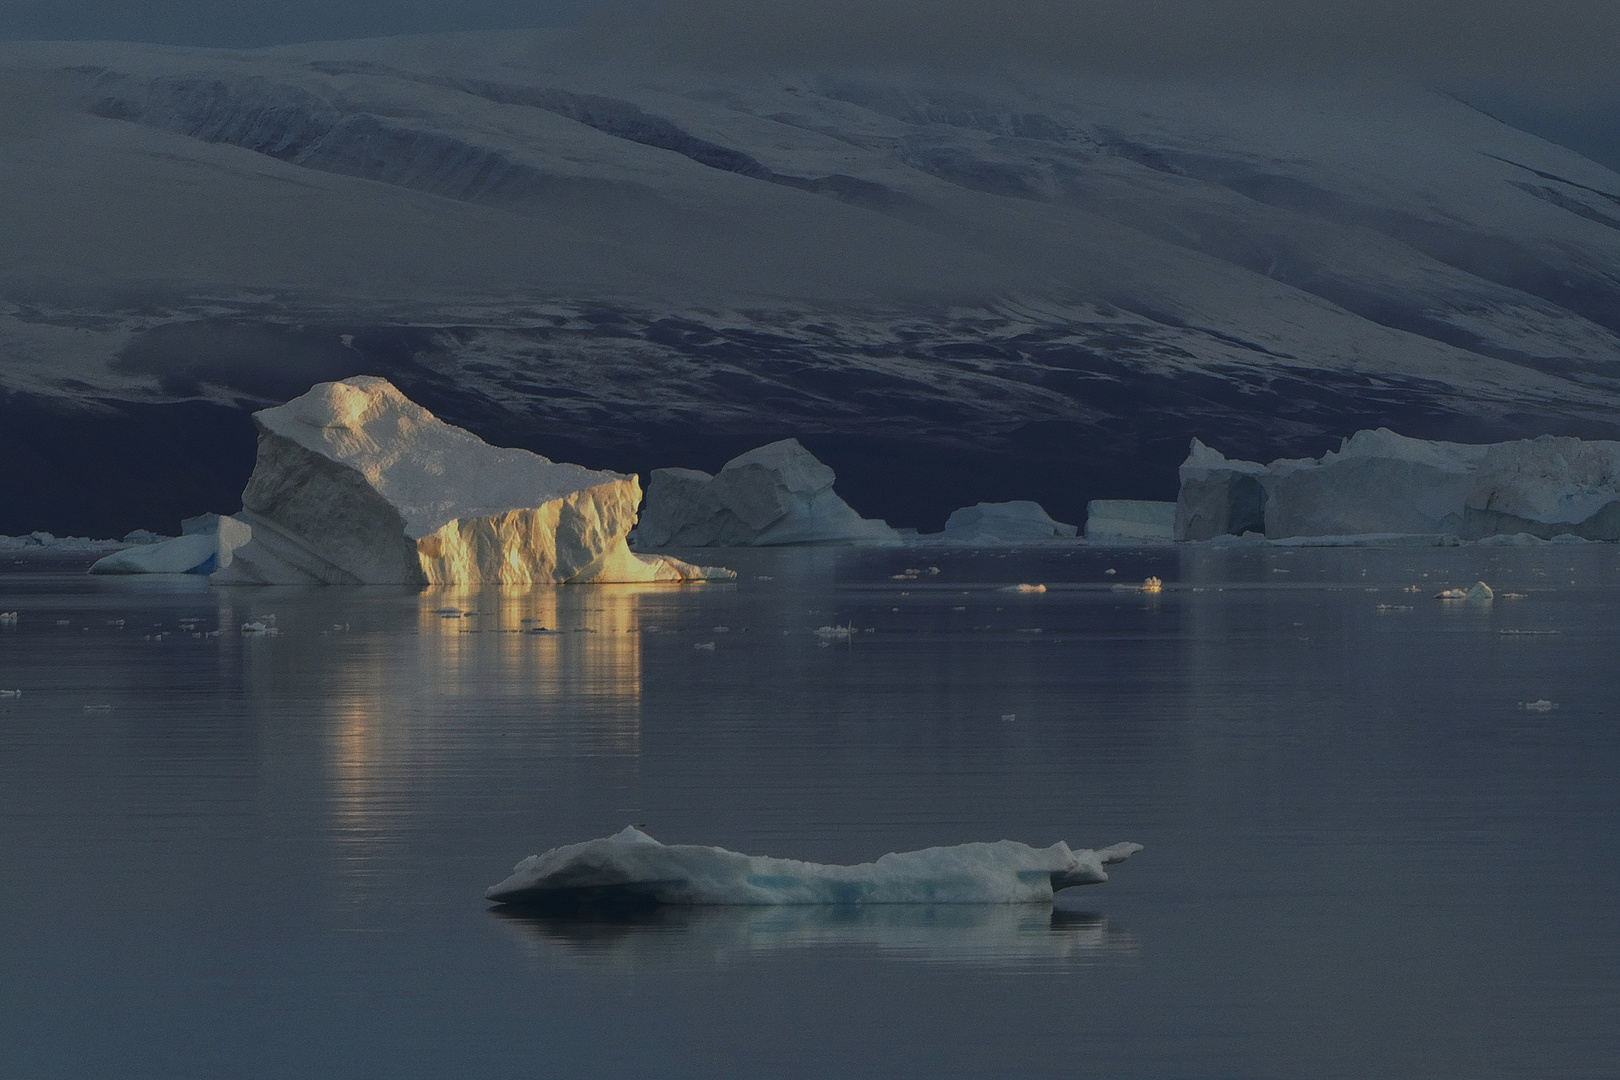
[
  {"x": 772, "y": 495},
  {"x": 1017, "y": 522},
  {"x": 357, "y": 485},
  {"x": 192, "y": 554},
  {"x": 1381, "y": 482},
  {"x": 1130, "y": 519},
  {"x": 630, "y": 868}
]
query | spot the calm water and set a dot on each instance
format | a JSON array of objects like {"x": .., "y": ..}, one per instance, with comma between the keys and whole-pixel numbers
[{"x": 264, "y": 856}]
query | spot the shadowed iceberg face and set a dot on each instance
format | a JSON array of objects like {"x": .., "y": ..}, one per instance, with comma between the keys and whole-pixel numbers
[{"x": 632, "y": 870}]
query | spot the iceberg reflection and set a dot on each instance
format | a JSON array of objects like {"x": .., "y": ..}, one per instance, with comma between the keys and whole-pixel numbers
[{"x": 975, "y": 935}]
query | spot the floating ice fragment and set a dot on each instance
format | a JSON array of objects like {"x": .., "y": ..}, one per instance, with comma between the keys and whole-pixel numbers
[
  {"x": 1024, "y": 588},
  {"x": 1008, "y": 717},
  {"x": 1479, "y": 591},
  {"x": 706, "y": 645},
  {"x": 1539, "y": 705},
  {"x": 98, "y": 708},
  {"x": 837, "y": 631},
  {"x": 10, "y": 693},
  {"x": 8, "y": 618},
  {"x": 1152, "y": 584},
  {"x": 631, "y": 869},
  {"x": 1110, "y": 571}
]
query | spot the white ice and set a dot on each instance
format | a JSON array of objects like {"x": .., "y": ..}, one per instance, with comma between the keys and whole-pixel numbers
[
  {"x": 773, "y": 495},
  {"x": 357, "y": 485},
  {"x": 1379, "y": 482},
  {"x": 632, "y": 867},
  {"x": 192, "y": 554},
  {"x": 1130, "y": 519},
  {"x": 1017, "y": 522}
]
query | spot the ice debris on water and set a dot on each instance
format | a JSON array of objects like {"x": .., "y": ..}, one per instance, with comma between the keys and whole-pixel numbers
[
  {"x": 10, "y": 693},
  {"x": 259, "y": 629},
  {"x": 630, "y": 868},
  {"x": 1539, "y": 705},
  {"x": 1024, "y": 588},
  {"x": 1478, "y": 591},
  {"x": 836, "y": 631},
  {"x": 9, "y": 618},
  {"x": 1152, "y": 584}
]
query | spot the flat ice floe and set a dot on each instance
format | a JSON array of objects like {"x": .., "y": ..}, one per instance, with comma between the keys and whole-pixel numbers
[{"x": 630, "y": 868}]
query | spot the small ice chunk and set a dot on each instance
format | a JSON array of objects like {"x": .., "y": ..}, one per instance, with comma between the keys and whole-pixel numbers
[
  {"x": 1025, "y": 588},
  {"x": 9, "y": 618},
  {"x": 708, "y": 646},
  {"x": 1152, "y": 584},
  {"x": 10, "y": 693},
  {"x": 1480, "y": 591},
  {"x": 1539, "y": 705}
]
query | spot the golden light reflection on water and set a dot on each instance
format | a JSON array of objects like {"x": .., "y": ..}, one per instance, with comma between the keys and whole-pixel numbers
[
  {"x": 416, "y": 690},
  {"x": 574, "y": 652}
]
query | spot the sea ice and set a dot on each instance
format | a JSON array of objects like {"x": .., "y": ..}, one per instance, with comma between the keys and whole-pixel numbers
[
  {"x": 1381, "y": 482},
  {"x": 1017, "y": 522},
  {"x": 1130, "y": 520},
  {"x": 631, "y": 868},
  {"x": 772, "y": 495},
  {"x": 357, "y": 485}
]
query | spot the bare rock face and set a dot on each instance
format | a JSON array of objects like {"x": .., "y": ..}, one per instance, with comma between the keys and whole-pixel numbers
[
  {"x": 774, "y": 494},
  {"x": 357, "y": 485}
]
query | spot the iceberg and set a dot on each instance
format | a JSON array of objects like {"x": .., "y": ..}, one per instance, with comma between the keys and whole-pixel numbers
[
  {"x": 357, "y": 485},
  {"x": 1382, "y": 482},
  {"x": 1016, "y": 522},
  {"x": 774, "y": 494},
  {"x": 631, "y": 869},
  {"x": 193, "y": 554},
  {"x": 1130, "y": 520}
]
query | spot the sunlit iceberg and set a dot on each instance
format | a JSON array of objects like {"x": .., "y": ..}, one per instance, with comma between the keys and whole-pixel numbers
[
  {"x": 630, "y": 868},
  {"x": 357, "y": 485}
]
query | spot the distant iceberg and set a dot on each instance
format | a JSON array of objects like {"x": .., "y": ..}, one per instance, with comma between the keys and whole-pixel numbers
[
  {"x": 1017, "y": 522},
  {"x": 773, "y": 495},
  {"x": 357, "y": 485},
  {"x": 1115, "y": 520},
  {"x": 1381, "y": 482},
  {"x": 630, "y": 868}
]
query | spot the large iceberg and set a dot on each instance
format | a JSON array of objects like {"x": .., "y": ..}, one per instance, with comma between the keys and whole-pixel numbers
[
  {"x": 1016, "y": 522},
  {"x": 1130, "y": 520},
  {"x": 357, "y": 485},
  {"x": 774, "y": 494},
  {"x": 1381, "y": 482},
  {"x": 630, "y": 868}
]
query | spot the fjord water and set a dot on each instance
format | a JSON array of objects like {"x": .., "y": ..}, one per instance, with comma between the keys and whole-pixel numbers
[{"x": 264, "y": 856}]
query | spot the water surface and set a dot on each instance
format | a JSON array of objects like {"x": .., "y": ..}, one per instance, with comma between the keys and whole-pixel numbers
[{"x": 264, "y": 855}]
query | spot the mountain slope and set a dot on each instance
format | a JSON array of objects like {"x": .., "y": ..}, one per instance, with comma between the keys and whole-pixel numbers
[{"x": 950, "y": 290}]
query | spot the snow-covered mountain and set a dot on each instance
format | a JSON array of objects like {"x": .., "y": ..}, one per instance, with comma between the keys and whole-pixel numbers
[{"x": 950, "y": 289}]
